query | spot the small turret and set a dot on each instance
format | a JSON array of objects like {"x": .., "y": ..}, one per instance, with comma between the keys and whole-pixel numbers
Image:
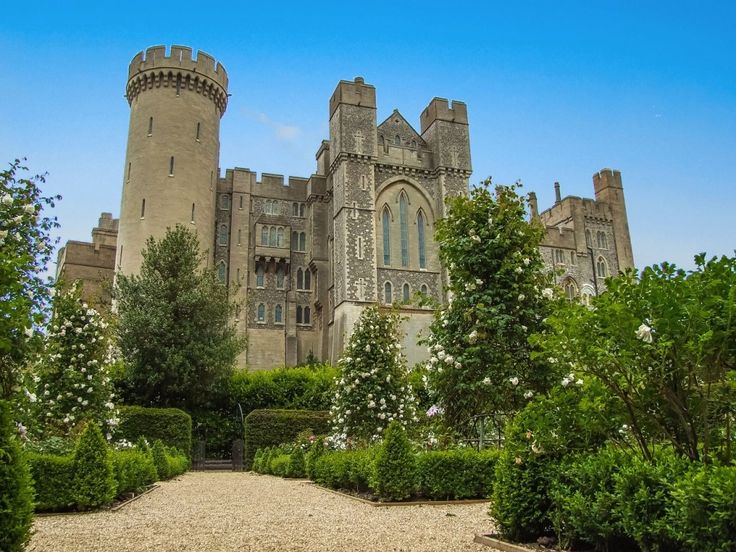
[{"x": 610, "y": 190}]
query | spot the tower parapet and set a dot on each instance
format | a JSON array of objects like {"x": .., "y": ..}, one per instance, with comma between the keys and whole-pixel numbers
[{"x": 180, "y": 70}]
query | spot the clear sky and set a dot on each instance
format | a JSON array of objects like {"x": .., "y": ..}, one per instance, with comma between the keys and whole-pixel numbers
[{"x": 555, "y": 91}]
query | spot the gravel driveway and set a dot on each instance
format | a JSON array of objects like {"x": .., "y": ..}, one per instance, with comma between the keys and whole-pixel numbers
[{"x": 205, "y": 511}]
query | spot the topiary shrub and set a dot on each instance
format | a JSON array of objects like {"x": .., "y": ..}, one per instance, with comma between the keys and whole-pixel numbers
[
  {"x": 395, "y": 465},
  {"x": 161, "y": 460},
  {"x": 53, "y": 480},
  {"x": 94, "y": 482},
  {"x": 456, "y": 474},
  {"x": 316, "y": 449},
  {"x": 280, "y": 465},
  {"x": 702, "y": 515},
  {"x": 16, "y": 491},
  {"x": 265, "y": 428},
  {"x": 170, "y": 425},
  {"x": 296, "y": 463},
  {"x": 134, "y": 470},
  {"x": 178, "y": 462}
]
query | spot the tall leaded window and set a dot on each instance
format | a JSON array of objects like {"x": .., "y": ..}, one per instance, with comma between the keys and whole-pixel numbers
[
  {"x": 261, "y": 314},
  {"x": 302, "y": 241},
  {"x": 272, "y": 236},
  {"x": 299, "y": 317},
  {"x": 278, "y": 314},
  {"x": 420, "y": 237},
  {"x": 601, "y": 267},
  {"x": 307, "y": 315},
  {"x": 307, "y": 279},
  {"x": 388, "y": 295},
  {"x": 294, "y": 209},
  {"x": 222, "y": 234},
  {"x": 301, "y": 210},
  {"x": 386, "y": 221},
  {"x": 404, "y": 226},
  {"x": 405, "y": 292},
  {"x": 260, "y": 276},
  {"x": 299, "y": 279},
  {"x": 264, "y": 235},
  {"x": 221, "y": 272},
  {"x": 294, "y": 240},
  {"x": 280, "y": 277},
  {"x": 280, "y": 237}
]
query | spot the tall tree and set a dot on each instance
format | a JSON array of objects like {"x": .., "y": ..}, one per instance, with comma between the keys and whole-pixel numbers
[
  {"x": 25, "y": 250},
  {"x": 480, "y": 356},
  {"x": 175, "y": 330}
]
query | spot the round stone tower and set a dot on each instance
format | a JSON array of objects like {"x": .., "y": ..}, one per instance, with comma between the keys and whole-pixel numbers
[{"x": 176, "y": 103}]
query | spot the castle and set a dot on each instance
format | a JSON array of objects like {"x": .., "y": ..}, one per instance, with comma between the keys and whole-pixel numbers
[{"x": 303, "y": 256}]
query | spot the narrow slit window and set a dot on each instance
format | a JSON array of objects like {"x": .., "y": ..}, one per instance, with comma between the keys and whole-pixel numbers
[
  {"x": 405, "y": 293},
  {"x": 302, "y": 241},
  {"x": 171, "y": 166},
  {"x": 129, "y": 164},
  {"x": 295, "y": 240},
  {"x": 386, "y": 220},
  {"x": 178, "y": 84},
  {"x": 198, "y": 129},
  {"x": 360, "y": 247},
  {"x": 300, "y": 279},
  {"x": 307, "y": 315},
  {"x": 298, "y": 315},
  {"x": 404, "y": 227},
  {"x": 307, "y": 279},
  {"x": 278, "y": 314},
  {"x": 280, "y": 237},
  {"x": 192, "y": 220},
  {"x": 241, "y": 202},
  {"x": 301, "y": 210},
  {"x": 420, "y": 238},
  {"x": 354, "y": 210},
  {"x": 239, "y": 232},
  {"x": 143, "y": 208},
  {"x": 150, "y": 126},
  {"x": 237, "y": 276}
]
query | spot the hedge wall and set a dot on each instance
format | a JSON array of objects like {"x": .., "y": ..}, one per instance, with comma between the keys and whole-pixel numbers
[
  {"x": 267, "y": 428},
  {"x": 53, "y": 480},
  {"x": 170, "y": 425}
]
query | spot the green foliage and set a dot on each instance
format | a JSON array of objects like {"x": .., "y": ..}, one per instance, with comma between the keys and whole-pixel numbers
[
  {"x": 346, "y": 469},
  {"x": 300, "y": 388},
  {"x": 74, "y": 383},
  {"x": 53, "y": 480},
  {"x": 373, "y": 388},
  {"x": 170, "y": 425},
  {"x": 456, "y": 474},
  {"x": 279, "y": 465},
  {"x": 703, "y": 512},
  {"x": 175, "y": 331},
  {"x": 164, "y": 470},
  {"x": 264, "y": 428},
  {"x": 296, "y": 466},
  {"x": 663, "y": 344},
  {"x": 481, "y": 361},
  {"x": 395, "y": 465},
  {"x": 316, "y": 449},
  {"x": 134, "y": 470},
  {"x": 25, "y": 251},
  {"x": 94, "y": 482},
  {"x": 59, "y": 446},
  {"x": 16, "y": 496}
]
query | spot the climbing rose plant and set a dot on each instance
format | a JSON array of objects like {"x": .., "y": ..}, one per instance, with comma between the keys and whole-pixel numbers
[
  {"x": 372, "y": 388},
  {"x": 73, "y": 383},
  {"x": 25, "y": 250},
  {"x": 498, "y": 296}
]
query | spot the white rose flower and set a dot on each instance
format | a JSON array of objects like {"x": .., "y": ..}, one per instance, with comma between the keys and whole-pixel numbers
[
  {"x": 486, "y": 381},
  {"x": 514, "y": 381},
  {"x": 7, "y": 199},
  {"x": 547, "y": 293},
  {"x": 645, "y": 333},
  {"x": 528, "y": 394}
]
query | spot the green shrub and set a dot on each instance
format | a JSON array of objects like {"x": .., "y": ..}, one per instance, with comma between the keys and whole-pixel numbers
[
  {"x": 257, "y": 461},
  {"x": 134, "y": 470},
  {"x": 94, "y": 483},
  {"x": 170, "y": 425},
  {"x": 702, "y": 515},
  {"x": 280, "y": 465},
  {"x": 178, "y": 462},
  {"x": 16, "y": 494},
  {"x": 53, "y": 480},
  {"x": 273, "y": 427},
  {"x": 345, "y": 469},
  {"x": 456, "y": 474},
  {"x": 161, "y": 460},
  {"x": 395, "y": 465},
  {"x": 296, "y": 463},
  {"x": 643, "y": 494},
  {"x": 584, "y": 499},
  {"x": 316, "y": 449}
]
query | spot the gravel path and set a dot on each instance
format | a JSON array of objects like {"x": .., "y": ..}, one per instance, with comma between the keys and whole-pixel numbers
[{"x": 227, "y": 511}]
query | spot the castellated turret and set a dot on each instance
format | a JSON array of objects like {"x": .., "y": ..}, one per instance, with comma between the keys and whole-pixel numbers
[{"x": 176, "y": 102}]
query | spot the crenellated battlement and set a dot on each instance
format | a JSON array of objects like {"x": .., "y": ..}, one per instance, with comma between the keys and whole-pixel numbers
[
  {"x": 180, "y": 70},
  {"x": 439, "y": 109}
]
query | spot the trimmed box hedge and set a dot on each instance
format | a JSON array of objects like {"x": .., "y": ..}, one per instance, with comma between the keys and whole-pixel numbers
[
  {"x": 268, "y": 428},
  {"x": 171, "y": 426}
]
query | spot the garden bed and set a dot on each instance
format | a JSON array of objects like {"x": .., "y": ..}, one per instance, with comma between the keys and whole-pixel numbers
[{"x": 372, "y": 500}]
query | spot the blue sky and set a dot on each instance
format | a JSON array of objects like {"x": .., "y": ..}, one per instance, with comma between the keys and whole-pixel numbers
[{"x": 555, "y": 91}]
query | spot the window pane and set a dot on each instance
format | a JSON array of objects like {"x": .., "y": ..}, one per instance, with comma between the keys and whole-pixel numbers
[
  {"x": 272, "y": 236},
  {"x": 302, "y": 241},
  {"x": 386, "y": 237},
  {"x": 404, "y": 224},
  {"x": 307, "y": 279},
  {"x": 405, "y": 292},
  {"x": 264, "y": 235},
  {"x": 261, "y": 312},
  {"x": 307, "y": 315},
  {"x": 260, "y": 276},
  {"x": 280, "y": 237},
  {"x": 387, "y": 293},
  {"x": 277, "y": 314},
  {"x": 420, "y": 236},
  {"x": 299, "y": 279},
  {"x": 298, "y": 315}
]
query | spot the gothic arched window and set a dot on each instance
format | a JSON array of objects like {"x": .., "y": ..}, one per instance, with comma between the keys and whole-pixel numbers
[
  {"x": 388, "y": 293},
  {"x": 386, "y": 221},
  {"x": 280, "y": 237},
  {"x": 294, "y": 209},
  {"x": 425, "y": 289},
  {"x": 261, "y": 314},
  {"x": 405, "y": 292},
  {"x": 302, "y": 208},
  {"x": 222, "y": 235},
  {"x": 307, "y": 315},
  {"x": 588, "y": 239},
  {"x": 302, "y": 241},
  {"x": 404, "y": 228},
  {"x": 420, "y": 237},
  {"x": 280, "y": 277},
  {"x": 601, "y": 267},
  {"x": 224, "y": 202},
  {"x": 272, "y": 236},
  {"x": 299, "y": 318},
  {"x": 260, "y": 276},
  {"x": 307, "y": 279},
  {"x": 221, "y": 272},
  {"x": 300, "y": 279},
  {"x": 294, "y": 240},
  {"x": 601, "y": 239},
  {"x": 278, "y": 314},
  {"x": 571, "y": 289},
  {"x": 264, "y": 235},
  {"x": 397, "y": 140}
]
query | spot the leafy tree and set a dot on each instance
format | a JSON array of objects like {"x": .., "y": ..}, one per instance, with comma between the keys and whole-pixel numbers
[
  {"x": 480, "y": 363},
  {"x": 25, "y": 250},
  {"x": 663, "y": 343},
  {"x": 175, "y": 331},
  {"x": 74, "y": 384},
  {"x": 372, "y": 389}
]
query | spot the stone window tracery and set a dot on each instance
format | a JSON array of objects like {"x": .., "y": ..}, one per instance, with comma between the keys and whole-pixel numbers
[{"x": 601, "y": 267}]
